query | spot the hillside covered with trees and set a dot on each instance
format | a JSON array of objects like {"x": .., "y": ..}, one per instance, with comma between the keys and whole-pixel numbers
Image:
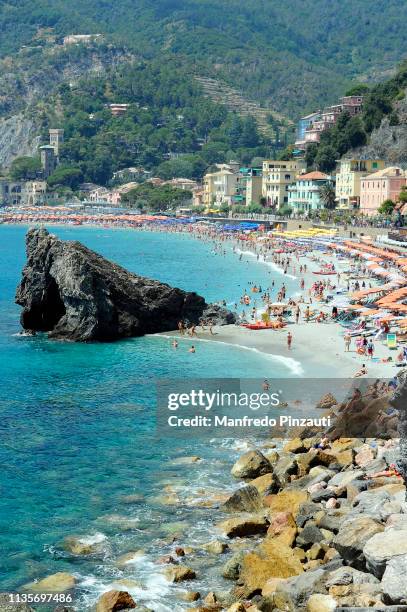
[
  {"x": 380, "y": 103},
  {"x": 169, "y": 127},
  {"x": 288, "y": 55}
]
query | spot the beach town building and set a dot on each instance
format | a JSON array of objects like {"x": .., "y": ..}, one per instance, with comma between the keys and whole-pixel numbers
[
  {"x": 348, "y": 180},
  {"x": 304, "y": 195},
  {"x": 77, "y": 39},
  {"x": 248, "y": 186},
  {"x": 118, "y": 110},
  {"x": 11, "y": 192},
  {"x": 277, "y": 177},
  {"x": 311, "y": 126},
  {"x": 35, "y": 193},
  {"x": 182, "y": 183},
  {"x": 198, "y": 197},
  {"x": 303, "y": 124},
  {"x": 383, "y": 185},
  {"x": 155, "y": 180},
  {"x": 127, "y": 187},
  {"x": 220, "y": 187},
  {"x": 131, "y": 174},
  {"x": 100, "y": 194}
]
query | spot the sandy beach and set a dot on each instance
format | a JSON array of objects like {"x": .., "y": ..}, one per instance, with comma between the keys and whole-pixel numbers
[{"x": 318, "y": 349}]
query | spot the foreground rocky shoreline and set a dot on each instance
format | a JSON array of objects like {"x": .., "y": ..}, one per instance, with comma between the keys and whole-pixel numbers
[{"x": 313, "y": 525}]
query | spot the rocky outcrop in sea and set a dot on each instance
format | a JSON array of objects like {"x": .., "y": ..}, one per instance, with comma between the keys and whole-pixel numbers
[{"x": 75, "y": 294}]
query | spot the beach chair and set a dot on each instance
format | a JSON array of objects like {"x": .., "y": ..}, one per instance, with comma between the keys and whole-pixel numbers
[{"x": 391, "y": 341}]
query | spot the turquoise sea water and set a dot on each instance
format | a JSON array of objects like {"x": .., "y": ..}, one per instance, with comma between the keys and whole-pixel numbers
[{"x": 77, "y": 426}]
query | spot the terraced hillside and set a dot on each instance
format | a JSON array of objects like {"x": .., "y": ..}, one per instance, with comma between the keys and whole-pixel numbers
[{"x": 221, "y": 93}]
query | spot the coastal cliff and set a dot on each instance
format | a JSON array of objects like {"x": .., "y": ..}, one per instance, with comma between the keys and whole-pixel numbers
[{"x": 75, "y": 294}]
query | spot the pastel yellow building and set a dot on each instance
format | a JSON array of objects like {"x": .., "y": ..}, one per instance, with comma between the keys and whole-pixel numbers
[
  {"x": 277, "y": 178},
  {"x": 219, "y": 188},
  {"x": 348, "y": 179}
]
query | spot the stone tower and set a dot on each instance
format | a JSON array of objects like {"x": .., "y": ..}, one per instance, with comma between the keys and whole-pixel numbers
[
  {"x": 48, "y": 160},
  {"x": 56, "y": 138}
]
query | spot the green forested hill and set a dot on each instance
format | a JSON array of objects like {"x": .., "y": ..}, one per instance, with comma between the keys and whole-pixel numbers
[
  {"x": 168, "y": 117},
  {"x": 289, "y": 55}
]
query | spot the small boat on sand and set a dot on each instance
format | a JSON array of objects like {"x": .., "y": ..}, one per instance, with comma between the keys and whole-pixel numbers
[{"x": 261, "y": 325}]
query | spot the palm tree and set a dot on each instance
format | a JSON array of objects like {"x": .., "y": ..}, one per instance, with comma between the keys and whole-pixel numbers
[{"x": 327, "y": 196}]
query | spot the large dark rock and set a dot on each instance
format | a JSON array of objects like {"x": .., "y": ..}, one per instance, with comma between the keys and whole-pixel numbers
[{"x": 75, "y": 294}]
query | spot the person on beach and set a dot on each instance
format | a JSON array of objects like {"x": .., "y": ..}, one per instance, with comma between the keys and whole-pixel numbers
[
  {"x": 192, "y": 331},
  {"x": 370, "y": 349},
  {"x": 391, "y": 471},
  {"x": 181, "y": 327},
  {"x": 297, "y": 314},
  {"x": 307, "y": 314},
  {"x": 289, "y": 340},
  {"x": 348, "y": 339},
  {"x": 361, "y": 372}
]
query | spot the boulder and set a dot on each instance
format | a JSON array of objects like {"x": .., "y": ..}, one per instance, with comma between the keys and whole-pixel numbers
[
  {"x": 285, "y": 467},
  {"x": 383, "y": 547},
  {"x": 231, "y": 569},
  {"x": 86, "y": 545},
  {"x": 280, "y": 521},
  {"x": 365, "y": 456},
  {"x": 269, "y": 560},
  {"x": 244, "y": 525},
  {"x": 190, "y": 596},
  {"x": 6, "y": 606},
  {"x": 354, "y": 488},
  {"x": 251, "y": 465},
  {"x": 326, "y": 402},
  {"x": 75, "y": 294},
  {"x": 396, "y": 521},
  {"x": 129, "y": 558},
  {"x": 357, "y": 595},
  {"x": 394, "y": 581},
  {"x": 237, "y": 607},
  {"x": 179, "y": 573},
  {"x": 331, "y": 457},
  {"x": 306, "y": 511},
  {"x": 246, "y": 499},
  {"x": 293, "y": 594},
  {"x": 296, "y": 445},
  {"x": 287, "y": 500},
  {"x": 56, "y": 583},
  {"x": 113, "y": 601},
  {"x": 342, "y": 479},
  {"x": 378, "y": 503},
  {"x": 352, "y": 537},
  {"x": 321, "y": 603},
  {"x": 309, "y": 535},
  {"x": 265, "y": 484},
  {"x": 349, "y": 575},
  {"x": 216, "y": 547},
  {"x": 332, "y": 519}
]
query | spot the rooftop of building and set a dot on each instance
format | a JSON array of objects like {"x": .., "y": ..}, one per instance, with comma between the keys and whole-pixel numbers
[
  {"x": 391, "y": 171},
  {"x": 313, "y": 176}
]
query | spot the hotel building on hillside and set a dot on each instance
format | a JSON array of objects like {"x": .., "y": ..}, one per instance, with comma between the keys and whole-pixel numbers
[
  {"x": 304, "y": 194},
  {"x": 383, "y": 185},
  {"x": 348, "y": 180},
  {"x": 310, "y": 128},
  {"x": 277, "y": 177}
]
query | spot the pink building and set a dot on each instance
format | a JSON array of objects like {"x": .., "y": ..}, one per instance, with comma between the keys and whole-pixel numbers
[{"x": 383, "y": 185}]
